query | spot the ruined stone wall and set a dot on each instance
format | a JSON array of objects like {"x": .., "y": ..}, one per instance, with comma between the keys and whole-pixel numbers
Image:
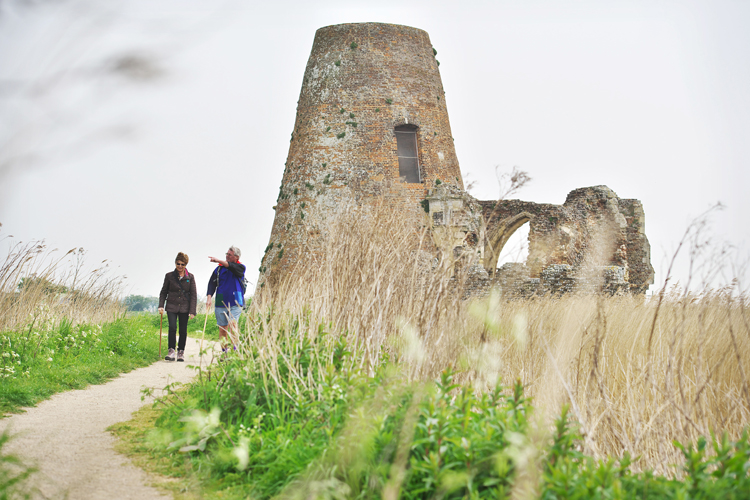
[
  {"x": 640, "y": 271},
  {"x": 361, "y": 81},
  {"x": 594, "y": 240}
]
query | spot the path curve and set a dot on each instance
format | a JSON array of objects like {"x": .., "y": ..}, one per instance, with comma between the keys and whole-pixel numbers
[{"x": 66, "y": 436}]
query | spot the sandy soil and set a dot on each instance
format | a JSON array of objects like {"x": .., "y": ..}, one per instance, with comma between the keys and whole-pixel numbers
[{"x": 67, "y": 439}]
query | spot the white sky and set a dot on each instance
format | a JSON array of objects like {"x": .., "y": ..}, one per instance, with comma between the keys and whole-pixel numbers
[{"x": 651, "y": 98}]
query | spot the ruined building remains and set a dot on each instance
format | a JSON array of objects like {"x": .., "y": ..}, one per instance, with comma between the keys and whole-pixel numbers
[{"x": 372, "y": 129}]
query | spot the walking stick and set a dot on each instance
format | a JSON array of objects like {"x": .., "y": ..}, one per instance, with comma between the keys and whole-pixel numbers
[
  {"x": 203, "y": 335},
  {"x": 161, "y": 320}
]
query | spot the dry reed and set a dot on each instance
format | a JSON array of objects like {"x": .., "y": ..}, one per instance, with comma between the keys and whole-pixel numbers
[
  {"x": 638, "y": 372},
  {"x": 38, "y": 284}
]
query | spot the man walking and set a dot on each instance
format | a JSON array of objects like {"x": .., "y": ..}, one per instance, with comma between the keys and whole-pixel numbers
[{"x": 227, "y": 283}]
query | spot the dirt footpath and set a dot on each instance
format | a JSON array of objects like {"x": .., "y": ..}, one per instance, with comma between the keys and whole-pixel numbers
[{"x": 67, "y": 439}]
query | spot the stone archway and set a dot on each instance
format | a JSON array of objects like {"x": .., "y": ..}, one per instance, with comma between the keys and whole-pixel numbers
[{"x": 500, "y": 236}]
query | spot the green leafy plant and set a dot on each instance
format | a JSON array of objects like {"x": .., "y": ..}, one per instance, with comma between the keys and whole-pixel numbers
[
  {"x": 353, "y": 45},
  {"x": 388, "y": 100},
  {"x": 337, "y": 63},
  {"x": 341, "y": 135}
]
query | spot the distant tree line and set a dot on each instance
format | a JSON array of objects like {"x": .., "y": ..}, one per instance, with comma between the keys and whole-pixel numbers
[{"x": 141, "y": 303}]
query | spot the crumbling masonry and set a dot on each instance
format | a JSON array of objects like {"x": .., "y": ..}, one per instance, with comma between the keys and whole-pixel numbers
[{"x": 372, "y": 129}]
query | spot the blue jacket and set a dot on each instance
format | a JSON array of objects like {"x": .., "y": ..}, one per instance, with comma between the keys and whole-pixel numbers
[{"x": 225, "y": 285}]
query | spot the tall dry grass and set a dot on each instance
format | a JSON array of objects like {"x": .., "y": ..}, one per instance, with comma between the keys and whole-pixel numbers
[
  {"x": 373, "y": 276},
  {"x": 630, "y": 390},
  {"x": 38, "y": 284},
  {"x": 638, "y": 372}
]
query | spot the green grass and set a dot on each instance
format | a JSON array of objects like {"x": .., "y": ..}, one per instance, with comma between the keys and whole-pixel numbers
[
  {"x": 301, "y": 417},
  {"x": 48, "y": 358}
]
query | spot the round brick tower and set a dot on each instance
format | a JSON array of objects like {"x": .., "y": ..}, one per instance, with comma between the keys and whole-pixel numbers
[{"x": 372, "y": 127}]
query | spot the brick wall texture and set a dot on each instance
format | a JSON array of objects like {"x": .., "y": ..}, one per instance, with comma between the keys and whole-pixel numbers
[{"x": 360, "y": 83}]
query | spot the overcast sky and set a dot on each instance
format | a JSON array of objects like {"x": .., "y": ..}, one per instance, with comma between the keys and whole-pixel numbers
[{"x": 181, "y": 145}]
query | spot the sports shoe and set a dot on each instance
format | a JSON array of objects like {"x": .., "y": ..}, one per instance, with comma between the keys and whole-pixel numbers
[
  {"x": 181, "y": 355},
  {"x": 170, "y": 355}
]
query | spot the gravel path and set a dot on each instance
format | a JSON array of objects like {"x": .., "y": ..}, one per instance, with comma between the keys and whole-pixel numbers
[{"x": 66, "y": 435}]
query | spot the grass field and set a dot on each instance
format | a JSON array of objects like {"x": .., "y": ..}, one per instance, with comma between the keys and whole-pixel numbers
[{"x": 368, "y": 375}]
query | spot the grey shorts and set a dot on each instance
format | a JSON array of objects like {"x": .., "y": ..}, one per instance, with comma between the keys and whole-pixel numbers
[{"x": 223, "y": 314}]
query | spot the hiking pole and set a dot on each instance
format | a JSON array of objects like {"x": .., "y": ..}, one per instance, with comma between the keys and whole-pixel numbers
[
  {"x": 203, "y": 335},
  {"x": 161, "y": 320}
]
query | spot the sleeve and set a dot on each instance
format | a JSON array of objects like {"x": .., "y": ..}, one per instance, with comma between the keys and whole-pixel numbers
[
  {"x": 193, "y": 296},
  {"x": 164, "y": 291},
  {"x": 212, "y": 283},
  {"x": 237, "y": 269}
]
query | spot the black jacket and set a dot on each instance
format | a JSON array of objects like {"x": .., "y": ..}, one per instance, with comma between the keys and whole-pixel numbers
[{"x": 179, "y": 300}]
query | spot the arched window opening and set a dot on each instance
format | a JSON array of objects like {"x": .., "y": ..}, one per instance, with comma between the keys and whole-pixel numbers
[
  {"x": 408, "y": 155},
  {"x": 516, "y": 248}
]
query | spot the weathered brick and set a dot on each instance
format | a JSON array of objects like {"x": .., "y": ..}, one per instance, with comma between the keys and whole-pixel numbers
[{"x": 364, "y": 80}]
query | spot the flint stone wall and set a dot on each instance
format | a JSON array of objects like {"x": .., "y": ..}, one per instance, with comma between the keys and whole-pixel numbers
[{"x": 594, "y": 242}]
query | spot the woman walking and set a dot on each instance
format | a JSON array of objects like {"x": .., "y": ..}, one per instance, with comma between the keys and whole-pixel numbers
[{"x": 181, "y": 297}]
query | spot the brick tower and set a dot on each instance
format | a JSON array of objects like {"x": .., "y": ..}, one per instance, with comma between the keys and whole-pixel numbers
[{"x": 372, "y": 127}]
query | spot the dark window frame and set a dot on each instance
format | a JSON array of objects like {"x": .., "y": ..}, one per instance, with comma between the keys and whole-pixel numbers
[{"x": 407, "y": 151}]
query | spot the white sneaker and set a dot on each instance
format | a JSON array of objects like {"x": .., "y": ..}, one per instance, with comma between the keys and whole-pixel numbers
[{"x": 170, "y": 355}]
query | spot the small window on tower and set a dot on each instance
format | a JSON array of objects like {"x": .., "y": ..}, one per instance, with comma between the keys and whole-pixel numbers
[{"x": 408, "y": 158}]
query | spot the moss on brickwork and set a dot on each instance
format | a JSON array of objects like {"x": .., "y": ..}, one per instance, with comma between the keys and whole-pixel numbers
[{"x": 352, "y": 71}]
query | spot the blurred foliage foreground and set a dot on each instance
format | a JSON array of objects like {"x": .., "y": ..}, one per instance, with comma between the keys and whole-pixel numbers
[{"x": 308, "y": 419}]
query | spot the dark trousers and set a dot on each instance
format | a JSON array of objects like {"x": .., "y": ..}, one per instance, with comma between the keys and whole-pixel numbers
[{"x": 172, "y": 317}]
